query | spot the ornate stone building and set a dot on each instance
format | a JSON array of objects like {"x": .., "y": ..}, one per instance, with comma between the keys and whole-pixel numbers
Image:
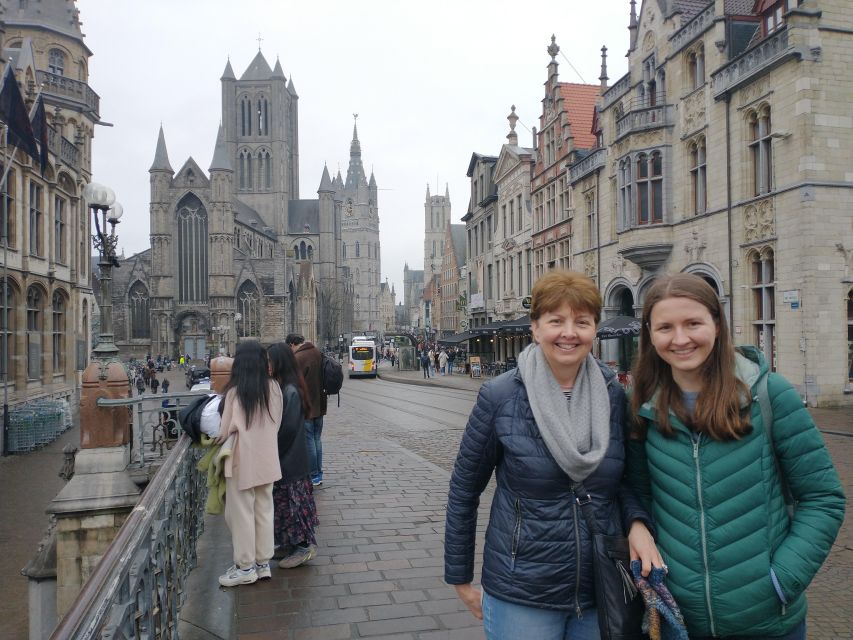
[
  {"x": 725, "y": 152},
  {"x": 436, "y": 219},
  {"x": 46, "y": 312},
  {"x": 479, "y": 224},
  {"x": 413, "y": 288},
  {"x": 237, "y": 254},
  {"x": 451, "y": 284}
]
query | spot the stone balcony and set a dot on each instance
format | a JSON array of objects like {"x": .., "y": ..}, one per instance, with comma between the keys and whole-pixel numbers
[
  {"x": 63, "y": 149},
  {"x": 766, "y": 55},
  {"x": 71, "y": 93},
  {"x": 643, "y": 118},
  {"x": 593, "y": 161},
  {"x": 619, "y": 89}
]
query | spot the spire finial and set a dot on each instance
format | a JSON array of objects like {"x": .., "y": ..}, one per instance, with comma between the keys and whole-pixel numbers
[
  {"x": 603, "y": 77},
  {"x": 259, "y": 40},
  {"x": 512, "y": 136},
  {"x": 554, "y": 49},
  {"x": 633, "y": 22}
]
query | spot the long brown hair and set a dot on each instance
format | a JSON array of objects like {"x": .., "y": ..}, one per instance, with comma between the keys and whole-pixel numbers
[
  {"x": 717, "y": 411},
  {"x": 284, "y": 370}
]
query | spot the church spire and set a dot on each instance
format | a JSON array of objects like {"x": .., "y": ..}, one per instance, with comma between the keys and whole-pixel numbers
[
  {"x": 228, "y": 74},
  {"x": 355, "y": 171},
  {"x": 161, "y": 156},
  {"x": 220, "y": 160},
  {"x": 326, "y": 182}
]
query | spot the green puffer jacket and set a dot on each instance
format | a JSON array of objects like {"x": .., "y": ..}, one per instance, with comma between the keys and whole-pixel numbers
[{"x": 722, "y": 524}]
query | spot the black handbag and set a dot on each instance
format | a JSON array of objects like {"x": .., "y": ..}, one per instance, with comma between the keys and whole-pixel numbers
[{"x": 620, "y": 608}]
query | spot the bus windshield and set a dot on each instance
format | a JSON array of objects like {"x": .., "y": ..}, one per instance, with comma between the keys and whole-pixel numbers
[{"x": 362, "y": 353}]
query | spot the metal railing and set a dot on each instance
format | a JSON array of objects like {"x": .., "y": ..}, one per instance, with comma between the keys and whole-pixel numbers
[{"x": 138, "y": 587}]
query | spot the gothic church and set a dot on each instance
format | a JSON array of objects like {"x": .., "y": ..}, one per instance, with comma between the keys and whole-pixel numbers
[{"x": 236, "y": 254}]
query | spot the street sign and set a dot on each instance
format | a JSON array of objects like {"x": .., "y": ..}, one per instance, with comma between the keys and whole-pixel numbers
[{"x": 526, "y": 301}]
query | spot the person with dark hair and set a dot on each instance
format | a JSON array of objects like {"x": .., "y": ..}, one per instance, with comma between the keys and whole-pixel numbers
[
  {"x": 718, "y": 442},
  {"x": 293, "y": 495},
  {"x": 554, "y": 421},
  {"x": 310, "y": 362},
  {"x": 250, "y": 420}
]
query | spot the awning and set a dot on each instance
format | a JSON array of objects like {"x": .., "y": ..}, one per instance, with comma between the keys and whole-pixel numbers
[
  {"x": 456, "y": 338},
  {"x": 618, "y": 327},
  {"x": 519, "y": 325}
]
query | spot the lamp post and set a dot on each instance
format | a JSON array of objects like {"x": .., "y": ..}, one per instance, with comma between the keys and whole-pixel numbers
[
  {"x": 105, "y": 210},
  {"x": 222, "y": 332}
]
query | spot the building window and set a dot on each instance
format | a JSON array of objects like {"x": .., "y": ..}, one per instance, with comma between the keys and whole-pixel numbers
[
  {"x": 626, "y": 187},
  {"x": 263, "y": 116},
  {"x": 36, "y": 244},
  {"x": 7, "y": 327},
  {"x": 245, "y": 116},
  {"x": 591, "y": 222},
  {"x": 649, "y": 188},
  {"x": 59, "y": 332},
  {"x": 56, "y": 62},
  {"x": 7, "y": 210},
  {"x": 773, "y": 14},
  {"x": 760, "y": 150},
  {"x": 566, "y": 254},
  {"x": 192, "y": 250},
  {"x": 59, "y": 233},
  {"x": 264, "y": 170},
  {"x": 246, "y": 174},
  {"x": 35, "y": 328},
  {"x": 696, "y": 68},
  {"x": 357, "y": 249},
  {"x": 698, "y": 176},
  {"x": 140, "y": 325},
  {"x": 249, "y": 308},
  {"x": 764, "y": 303}
]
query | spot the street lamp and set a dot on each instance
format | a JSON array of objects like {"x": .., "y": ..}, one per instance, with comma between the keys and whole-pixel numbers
[
  {"x": 101, "y": 200},
  {"x": 222, "y": 332}
]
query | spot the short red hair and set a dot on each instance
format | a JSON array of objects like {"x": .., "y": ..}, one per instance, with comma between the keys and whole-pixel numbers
[{"x": 556, "y": 288}]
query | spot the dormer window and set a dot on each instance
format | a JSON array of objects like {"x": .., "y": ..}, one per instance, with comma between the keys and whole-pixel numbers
[
  {"x": 773, "y": 12},
  {"x": 56, "y": 62}
]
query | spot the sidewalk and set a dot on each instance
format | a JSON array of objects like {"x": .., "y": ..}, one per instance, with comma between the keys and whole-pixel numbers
[{"x": 456, "y": 380}]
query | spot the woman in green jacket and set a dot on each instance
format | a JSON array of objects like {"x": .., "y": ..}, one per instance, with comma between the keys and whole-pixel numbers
[{"x": 715, "y": 470}]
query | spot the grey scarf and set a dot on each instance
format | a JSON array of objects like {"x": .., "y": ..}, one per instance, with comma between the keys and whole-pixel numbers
[{"x": 576, "y": 432}]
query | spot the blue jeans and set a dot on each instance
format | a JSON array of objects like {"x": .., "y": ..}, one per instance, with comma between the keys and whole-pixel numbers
[
  {"x": 504, "y": 620},
  {"x": 797, "y": 633},
  {"x": 313, "y": 431}
]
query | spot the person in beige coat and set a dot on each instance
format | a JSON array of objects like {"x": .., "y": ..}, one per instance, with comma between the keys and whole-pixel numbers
[{"x": 250, "y": 420}]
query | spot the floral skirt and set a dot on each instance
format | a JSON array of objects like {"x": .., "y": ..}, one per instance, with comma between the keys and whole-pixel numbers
[{"x": 295, "y": 512}]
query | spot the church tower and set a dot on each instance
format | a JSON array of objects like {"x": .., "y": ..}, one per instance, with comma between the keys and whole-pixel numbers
[
  {"x": 260, "y": 120},
  {"x": 436, "y": 219},
  {"x": 360, "y": 239}
]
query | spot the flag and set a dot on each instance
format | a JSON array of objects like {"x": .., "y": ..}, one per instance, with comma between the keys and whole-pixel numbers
[
  {"x": 39, "y": 123},
  {"x": 13, "y": 112}
]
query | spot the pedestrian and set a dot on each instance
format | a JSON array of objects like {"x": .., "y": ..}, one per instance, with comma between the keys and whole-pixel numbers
[
  {"x": 556, "y": 420},
  {"x": 140, "y": 384},
  {"x": 310, "y": 362},
  {"x": 154, "y": 384},
  {"x": 425, "y": 363},
  {"x": 181, "y": 362},
  {"x": 165, "y": 385},
  {"x": 442, "y": 361},
  {"x": 433, "y": 360},
  {"x": 250, "y": 419},
  {"x": 714, "y": 465},
  {"x": 293, "y": 495},
  {"x": 451, "y": 356}
]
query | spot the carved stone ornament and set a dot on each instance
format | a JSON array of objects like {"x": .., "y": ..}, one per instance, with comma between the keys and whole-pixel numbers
[
  {"x": 589, "y": 264},
  {"x": 754, "y": 91},
  {"x": 848, "y": 259},
  {"x": 694, "y": 111},
  {"x": 649, "y": 42},
  {"x": 694, "y": 248},
  {"x": 509, "y": 244},
  {"x": 759, "y": 220},
  {"x": 617, "y": 265}
]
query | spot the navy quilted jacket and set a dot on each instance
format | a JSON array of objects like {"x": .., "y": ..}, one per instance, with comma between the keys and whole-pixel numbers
[{"x": 538, "y": 550}]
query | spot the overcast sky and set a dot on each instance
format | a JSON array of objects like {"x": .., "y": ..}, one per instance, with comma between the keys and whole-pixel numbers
[{"x": 432, "y": 82}]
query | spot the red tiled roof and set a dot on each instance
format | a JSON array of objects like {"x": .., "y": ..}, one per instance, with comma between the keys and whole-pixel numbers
[{"x": 579, "y": 102}]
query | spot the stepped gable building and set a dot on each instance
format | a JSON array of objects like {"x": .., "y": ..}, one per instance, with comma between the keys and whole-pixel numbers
[
  {"x": 237, "y": 254},
  {"x": 46, "y": 301},
  {"x": 724, "y": 151}
]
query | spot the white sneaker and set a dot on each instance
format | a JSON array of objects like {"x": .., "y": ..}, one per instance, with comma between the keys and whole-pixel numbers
[
  {"x": 263, "y": 571},
  {"x": 298, "y": 557},
  {"x": 235, "y": 576}
]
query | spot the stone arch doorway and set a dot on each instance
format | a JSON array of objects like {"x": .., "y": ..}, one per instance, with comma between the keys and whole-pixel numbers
[
  {"x": 191, "y": 335},
  {"x": 620, "y": 352}
]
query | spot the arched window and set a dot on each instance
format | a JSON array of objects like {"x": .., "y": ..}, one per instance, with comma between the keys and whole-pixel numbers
[
  {"x": 140, "y": 324},
  {"x": 296, "y": 252},
  {"x": 262, "y": 111},
  {"x": 249, "y": 308},
  {"x": 357, "y": 249},
  {"x": 245, "y": 116},
  {"x": 696, "y": 68},
  {"x": 344, "y": 250},
  {"x": 56, "y": 62},
  {"x": 192, "y": 250},
  {"x": 302, "y": 251},
  {"x": 649, "y": 188},
  {"x": 310, "y": 252},
  {"x": 7, "y": 213},
  {"x": 35, "y": 331},
  {"x": 8, "y": 304},
  {"x": 245, "y": 177},
  {"x": 59, "y": 331},
  {"x": 264, "y": 169},
  {"x": 698, "y": 176},
  {"x": 763, "y": 268},
  {"x": 761, "y": 150}
]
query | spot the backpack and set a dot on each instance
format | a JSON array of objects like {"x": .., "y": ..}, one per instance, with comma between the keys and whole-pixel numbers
[
  {"x": 190, "y": 416},
  {"x": 333, "y": 377}
]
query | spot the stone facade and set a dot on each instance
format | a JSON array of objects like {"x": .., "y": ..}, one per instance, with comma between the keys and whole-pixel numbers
[
  {"x": 46, "y": 264},
  {"x": 479, "y": 224},
  {"x": 452, "y": 287},
  {"x": 724, "y": 151},
  {"x": 436, "y": 219},
  {"x": 413, "y": 288},
  {"x": 237, "y": 254}
]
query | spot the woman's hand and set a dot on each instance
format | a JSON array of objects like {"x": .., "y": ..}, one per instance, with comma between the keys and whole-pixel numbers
[
  {"x": 643, "y": 548},
  {"x": 471, "y": 596}
]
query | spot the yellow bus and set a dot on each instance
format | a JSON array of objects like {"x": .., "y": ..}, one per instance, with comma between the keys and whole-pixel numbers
[{"x": 362, "y": 359}]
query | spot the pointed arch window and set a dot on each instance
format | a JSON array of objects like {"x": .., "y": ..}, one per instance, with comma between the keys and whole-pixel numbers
[
  {"x": 764, "y": 303},
  {"x": 35, "y": 331},
  {"x": 296, "y": 252},
  {"x": 249, "y": 308},
  {"x": 302, "y": 251},
  {"x": 59, "y": 331},
  {"x": 698, "y": 176},
  {"x": 245, "y": 166},
  {"x": 192, "y": 250},
  {"x": 245, "y": 116},
  {"x": 264, "y": 169},
  {"x": 262, "y": 111},
  {"x": 8, "y": 304},
  {"x": 140, "y": 326},
  {"x": 310, "y": 252},
  {"x": 760, "y": 150}
]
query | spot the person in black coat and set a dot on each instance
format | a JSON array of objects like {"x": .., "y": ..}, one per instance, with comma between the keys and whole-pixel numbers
[{"x": 555, "y": 420}]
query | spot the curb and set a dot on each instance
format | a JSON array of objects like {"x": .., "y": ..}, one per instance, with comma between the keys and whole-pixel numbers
[{"x": 420, "y": 382}]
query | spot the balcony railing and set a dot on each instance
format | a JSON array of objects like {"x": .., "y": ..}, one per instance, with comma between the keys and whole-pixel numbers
[
  {"x": 589, "y": 164},
  {"x": 645, "y": 118},
  {"x": 690, "y": 31},
  {"x": 69, "y": 89},
  {"x": 761, "y": 58},
  {"x": 622, "y": 86},
  {"x": 63, "y": 148}
]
